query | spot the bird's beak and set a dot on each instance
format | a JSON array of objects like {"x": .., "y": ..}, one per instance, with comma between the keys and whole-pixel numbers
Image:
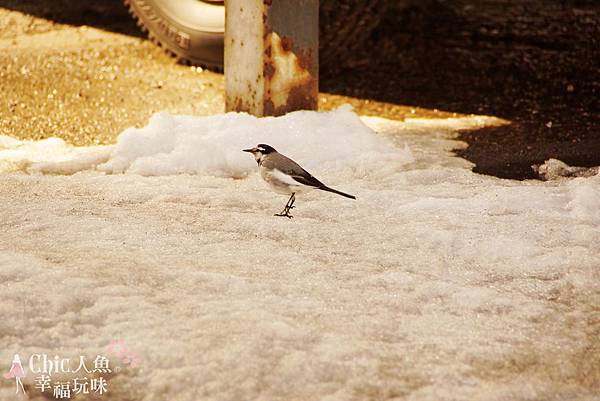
[{"x": 249, "y": 150}]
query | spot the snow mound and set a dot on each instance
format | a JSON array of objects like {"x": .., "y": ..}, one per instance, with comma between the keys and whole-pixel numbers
[
  {"x": 331, "y": 141},
  {"x": 213, "y": 145}
]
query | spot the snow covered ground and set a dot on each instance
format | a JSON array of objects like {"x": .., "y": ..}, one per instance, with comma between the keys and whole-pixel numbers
[{"x": 436, "y": 283}]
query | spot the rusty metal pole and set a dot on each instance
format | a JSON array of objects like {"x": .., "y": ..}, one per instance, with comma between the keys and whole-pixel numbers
[{"x": 271, "y": 56}]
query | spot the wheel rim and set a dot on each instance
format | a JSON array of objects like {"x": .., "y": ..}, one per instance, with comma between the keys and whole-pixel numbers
[{"x": 200, "y": 15}]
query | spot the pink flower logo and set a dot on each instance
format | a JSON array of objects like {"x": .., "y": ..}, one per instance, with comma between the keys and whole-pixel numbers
[{"x": 120, "y": 349}]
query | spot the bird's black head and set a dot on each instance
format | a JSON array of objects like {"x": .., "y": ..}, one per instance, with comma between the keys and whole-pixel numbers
[
  {"x": 265, "y": 149},
  {"x": 262, "y": 149}
]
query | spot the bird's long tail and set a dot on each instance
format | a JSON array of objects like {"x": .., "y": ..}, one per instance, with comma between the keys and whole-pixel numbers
[{"x": 335, "y": 191}]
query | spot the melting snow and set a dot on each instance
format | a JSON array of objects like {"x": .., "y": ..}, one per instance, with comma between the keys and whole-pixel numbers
[{"x": 436, "y": 283}]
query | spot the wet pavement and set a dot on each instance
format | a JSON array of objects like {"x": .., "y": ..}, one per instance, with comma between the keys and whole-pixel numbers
[{"x": 83, "y": 72}]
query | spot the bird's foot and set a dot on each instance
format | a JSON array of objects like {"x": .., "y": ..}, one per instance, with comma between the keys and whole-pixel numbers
[{"x": 285, "y": 213}]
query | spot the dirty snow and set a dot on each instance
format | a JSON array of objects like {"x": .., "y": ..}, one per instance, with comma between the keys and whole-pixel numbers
[
  {"x": 554, "y": 169},
  {"x": 436, "y": 283}
]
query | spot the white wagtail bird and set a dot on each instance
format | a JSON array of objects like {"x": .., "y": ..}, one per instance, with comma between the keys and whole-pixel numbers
[{"x": 285, "y": 176}]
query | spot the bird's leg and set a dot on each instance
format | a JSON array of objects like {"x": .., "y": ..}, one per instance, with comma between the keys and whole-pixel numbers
[
  {"x": 291, "y": 202},
  {"x": 288, "y": 206}
]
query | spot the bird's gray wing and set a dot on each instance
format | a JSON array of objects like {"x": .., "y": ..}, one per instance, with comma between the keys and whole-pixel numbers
[{"x": 293, "y": 169}]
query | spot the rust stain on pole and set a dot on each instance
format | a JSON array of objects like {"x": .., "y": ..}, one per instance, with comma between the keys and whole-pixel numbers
[
  {"x": 271, "y": 56},
  {"x": 288, "y": 82}
]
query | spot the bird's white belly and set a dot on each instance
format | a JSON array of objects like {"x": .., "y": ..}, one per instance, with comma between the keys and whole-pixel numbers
[{"x": 280, "y": 182}]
